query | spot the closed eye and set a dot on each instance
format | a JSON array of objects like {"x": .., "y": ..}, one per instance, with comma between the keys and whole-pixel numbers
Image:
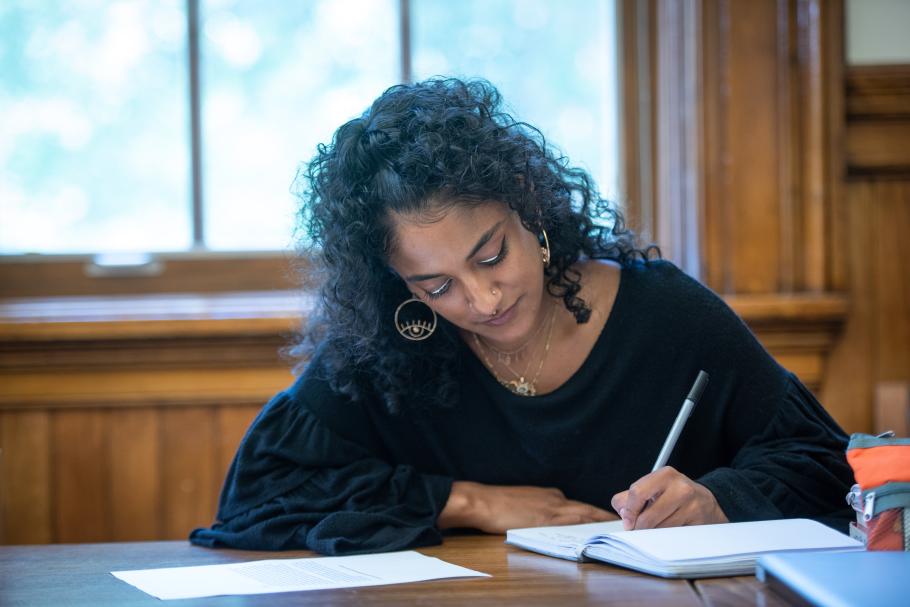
[
  {"x": 441, "y": 290},
  {"x": 503, "y": 251}
]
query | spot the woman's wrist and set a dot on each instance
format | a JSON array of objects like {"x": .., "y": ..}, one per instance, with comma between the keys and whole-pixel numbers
[{"x": 462, "y": 506}]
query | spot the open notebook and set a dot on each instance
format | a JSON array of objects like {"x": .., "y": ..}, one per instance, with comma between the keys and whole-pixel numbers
[{"x": 682, "y": 552}]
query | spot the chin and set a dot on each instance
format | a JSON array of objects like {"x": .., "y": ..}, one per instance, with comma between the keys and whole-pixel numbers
[{"x": 515, "y": 330}]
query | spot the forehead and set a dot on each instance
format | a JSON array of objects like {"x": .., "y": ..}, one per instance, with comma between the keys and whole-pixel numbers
[{"x": 428, "y": 241}]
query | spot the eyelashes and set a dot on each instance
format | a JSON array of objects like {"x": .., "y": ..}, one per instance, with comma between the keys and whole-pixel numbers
[
  {"x": 503, "y": 251},
  {"x": 440, "y": 291},
  {"x": 493, "y": 261}
]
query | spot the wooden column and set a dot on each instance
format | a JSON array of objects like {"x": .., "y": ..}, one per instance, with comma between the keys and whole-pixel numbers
[
  {"x": 734, "y": 111},
  {"x": 874, "y": 243}
]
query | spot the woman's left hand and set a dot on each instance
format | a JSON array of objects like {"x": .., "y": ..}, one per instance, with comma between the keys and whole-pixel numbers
[{"x": 667, "y": 498}]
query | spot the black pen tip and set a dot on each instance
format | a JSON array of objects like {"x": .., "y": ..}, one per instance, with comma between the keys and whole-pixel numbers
[{"x": 698, "y": 387}]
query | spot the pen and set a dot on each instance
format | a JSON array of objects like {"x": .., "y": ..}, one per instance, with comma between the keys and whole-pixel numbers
[{"x": 694, "y": 394}]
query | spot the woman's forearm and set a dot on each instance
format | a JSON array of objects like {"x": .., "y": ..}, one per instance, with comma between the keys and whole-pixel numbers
[
  {"x": 498, "y": 508},
  {"x": 462, "y": 507}
]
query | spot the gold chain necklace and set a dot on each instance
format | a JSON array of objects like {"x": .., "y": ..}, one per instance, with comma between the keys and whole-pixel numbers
[{"x": 520, "y": 385}]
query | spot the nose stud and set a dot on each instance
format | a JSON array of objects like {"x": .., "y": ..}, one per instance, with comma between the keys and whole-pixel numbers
[{"x": 494, "y": 293}]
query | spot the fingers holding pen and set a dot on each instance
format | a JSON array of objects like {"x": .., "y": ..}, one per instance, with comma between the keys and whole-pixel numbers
[
  {"x": 666, "y": 498},
  {"x": 642, "y": 494}
]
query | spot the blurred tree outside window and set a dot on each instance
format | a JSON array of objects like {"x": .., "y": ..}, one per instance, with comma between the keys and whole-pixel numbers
[
  {"x": 553, "y": 62},
  {"x": 93, "y": 115},
  {"x": 95, "y": 145}
]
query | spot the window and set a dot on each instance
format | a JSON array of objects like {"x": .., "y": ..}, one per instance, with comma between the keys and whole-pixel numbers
[
  {"x": 553, "y": 62},
  {"x": 278, "y": 78},
  {"x": 96, "y": 105},
  {"x": 93, "y": 114}
]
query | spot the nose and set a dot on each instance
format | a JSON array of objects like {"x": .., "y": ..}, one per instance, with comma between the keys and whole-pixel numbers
[{"x": 484, "y": 298}]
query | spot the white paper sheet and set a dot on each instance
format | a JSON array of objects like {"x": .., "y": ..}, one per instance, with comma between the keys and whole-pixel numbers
[{"x": 287, "y": 575}]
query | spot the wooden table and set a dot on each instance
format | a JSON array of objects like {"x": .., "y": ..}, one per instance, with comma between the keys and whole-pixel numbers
[{"x": 78, "y": 574}]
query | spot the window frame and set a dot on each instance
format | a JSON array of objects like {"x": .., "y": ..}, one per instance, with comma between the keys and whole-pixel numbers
[{"x": 198, "y": 269}]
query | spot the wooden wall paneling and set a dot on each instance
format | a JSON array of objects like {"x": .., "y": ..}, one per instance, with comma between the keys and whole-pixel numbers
[
  {"x": 142, "y": 401},
  {"x": 878, "y": 122},
  {"x": 232, "y": 424},
  {"x": 678, "y": 155},
  {"x": 768, "y": 143},
  {"x": 189, "y": 386},
  {"x": 637, "y": 111},
  {"x": 190, "y": 478},
  {"x": 750, "y": 93},
  {"x": 746, "y": 137},
  {"x": 876, "y": 343},
  {"x": 750, "y": 148},
  {"x": 810, "y": 133},
  {"x": 799, "y": 330},
  {"x": 833, "y": 57},
  {"x": 25, "y": 476},
  {"x": 879, "y": 148},
  {"x": 136, "y": 512},
  {"x": 892, "y": 277},
  {"x": 892, "y": 408},
  {"x": 848, "y": 385},
  {"x": 789, "y": 161},
  {"x": 810, "y": 244},
  {"x": 716, "y": 213},
  {"x": 81, "y": 476},
  {"x": 806, "y": 367},
  {"x": 878, "y": 92}
]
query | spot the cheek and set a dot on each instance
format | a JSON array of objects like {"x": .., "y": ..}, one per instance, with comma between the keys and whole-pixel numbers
[
  {"x": 451, "y": 306},
  {"x": 527, "y": 261}
]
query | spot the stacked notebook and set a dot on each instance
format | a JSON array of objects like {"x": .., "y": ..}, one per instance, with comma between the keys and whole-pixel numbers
[{"x": 683, "y": 552}]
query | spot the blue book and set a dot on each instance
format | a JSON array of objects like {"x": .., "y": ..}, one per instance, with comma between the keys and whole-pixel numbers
[{"x": 838, "y": 579}]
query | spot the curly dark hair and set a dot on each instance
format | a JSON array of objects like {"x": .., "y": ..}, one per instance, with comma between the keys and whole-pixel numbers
[{"x": 438, "y": 142}]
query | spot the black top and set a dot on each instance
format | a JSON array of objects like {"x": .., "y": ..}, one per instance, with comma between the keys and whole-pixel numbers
[{"x": 318, "y": 471}]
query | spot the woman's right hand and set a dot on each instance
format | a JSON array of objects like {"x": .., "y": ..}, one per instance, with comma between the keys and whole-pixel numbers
[{"x": 497, "y": 508}]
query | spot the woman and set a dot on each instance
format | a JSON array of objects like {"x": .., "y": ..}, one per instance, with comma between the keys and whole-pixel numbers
[{"x": 492, "y": 351}]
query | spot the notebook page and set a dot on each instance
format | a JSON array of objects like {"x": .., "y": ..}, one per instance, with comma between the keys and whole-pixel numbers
[
  {"x": 564, "y": 535},
  {"x": 729, "y": 540}
]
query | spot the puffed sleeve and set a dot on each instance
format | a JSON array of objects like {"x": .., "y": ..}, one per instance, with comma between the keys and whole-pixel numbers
[
  {"x": 296, "y": 484},
  {"x": 793, "y": 466},
  {"x": 783, "y": 454}
]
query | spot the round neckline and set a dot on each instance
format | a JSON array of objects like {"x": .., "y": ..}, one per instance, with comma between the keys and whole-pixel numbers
[{"x": 599, "y": 344}]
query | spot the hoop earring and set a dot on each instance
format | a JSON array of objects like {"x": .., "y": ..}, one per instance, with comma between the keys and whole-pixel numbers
[
  {"x": 545, "y": 249},
  {"x": 415, "y": 330}
]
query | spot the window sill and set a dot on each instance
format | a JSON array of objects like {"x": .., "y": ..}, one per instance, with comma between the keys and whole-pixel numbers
[
  {"x": 125, "y": 317},
  {"x": 146, "y": 350}
]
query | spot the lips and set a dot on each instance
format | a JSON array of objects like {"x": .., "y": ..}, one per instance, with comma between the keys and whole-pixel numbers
[{"x": 503, "y": 317}]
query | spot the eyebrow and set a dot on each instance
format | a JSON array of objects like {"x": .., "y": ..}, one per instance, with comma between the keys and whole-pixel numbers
[{"x": 484, "y": 239}]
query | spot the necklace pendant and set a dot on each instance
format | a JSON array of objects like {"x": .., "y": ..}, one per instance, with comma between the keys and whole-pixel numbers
[{"x": 521, "y": 387}]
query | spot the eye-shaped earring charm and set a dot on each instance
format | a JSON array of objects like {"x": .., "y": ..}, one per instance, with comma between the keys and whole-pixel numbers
[{"x": 415, "y": 329}]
